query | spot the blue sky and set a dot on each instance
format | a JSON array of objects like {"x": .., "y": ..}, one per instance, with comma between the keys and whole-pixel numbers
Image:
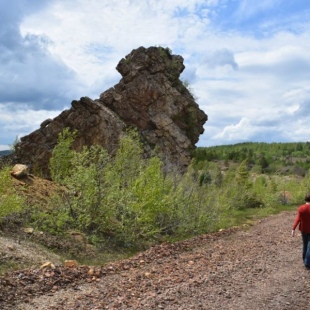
[{"x": 247, "y": 61}]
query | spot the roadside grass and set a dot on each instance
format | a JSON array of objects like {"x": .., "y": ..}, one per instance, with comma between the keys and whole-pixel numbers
[
  {"x": 241, "y": 218},
  {"x": 248, "y": 217},
  {"x": 10, "y": 265},
  {"x": 103, "y": 258}
]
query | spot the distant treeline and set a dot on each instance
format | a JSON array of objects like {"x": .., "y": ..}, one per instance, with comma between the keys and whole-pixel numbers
[
  {"x": 268, "y": 157},
  {"x": 4, "y": 153}
]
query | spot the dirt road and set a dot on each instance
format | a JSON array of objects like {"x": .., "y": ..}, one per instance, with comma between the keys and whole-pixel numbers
[{"x": 255, "y": 268}]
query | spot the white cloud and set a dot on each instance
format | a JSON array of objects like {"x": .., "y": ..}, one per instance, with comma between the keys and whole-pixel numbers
[
  {"x": 90, "y": 37},
  {"x": 269, "y": 89},
  {"x": 20, "y": 121},
  {"x": 240, "y": 131},
  {"x": 249, "y": 70}
]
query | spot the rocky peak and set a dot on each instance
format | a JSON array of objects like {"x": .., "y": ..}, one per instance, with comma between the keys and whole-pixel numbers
[
  {"x": 152, "y": 60},
  {"x": 149, "y": 97}
]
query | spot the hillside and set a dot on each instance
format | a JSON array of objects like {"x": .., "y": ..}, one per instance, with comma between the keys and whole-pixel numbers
[
  {"x": 236, "y": 268},
  {"x": 280, "y": 158},
  {"x": 4, "y": 153},
  {"x": 233, "y": 269}
]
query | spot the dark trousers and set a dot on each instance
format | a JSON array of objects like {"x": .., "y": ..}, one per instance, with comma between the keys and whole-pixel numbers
[{"x": 306, "y": 249}]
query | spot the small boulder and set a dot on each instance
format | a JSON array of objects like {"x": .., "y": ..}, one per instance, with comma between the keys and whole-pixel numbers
[
  {"x": 47, "y": 265},
  {"x": 28, "y": 230},
  {"x": 19, "y": 171},
  {"x": 71, "y": 263}
]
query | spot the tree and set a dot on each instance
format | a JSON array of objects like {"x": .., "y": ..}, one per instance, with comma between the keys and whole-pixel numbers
[
  {"x": 218, "y": 179},
  {"x": 205, "y": 178},
  {"x": 60, "y": 162},
  {"x": 10, "y": 201},
  {"x": 242, "y": 174},
  {"x": 263, "y": 163}
]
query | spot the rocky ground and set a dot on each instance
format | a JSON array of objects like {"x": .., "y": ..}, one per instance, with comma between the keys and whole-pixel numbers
[{"x": 250, "y": 268}]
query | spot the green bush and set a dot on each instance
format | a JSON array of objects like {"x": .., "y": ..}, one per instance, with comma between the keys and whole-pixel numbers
[
  {"x": 60, "y": 162},
  {"x": 129, "y": 201},
  {"x": 126, "y": 198},
  {"x": 10, "y": 201}
]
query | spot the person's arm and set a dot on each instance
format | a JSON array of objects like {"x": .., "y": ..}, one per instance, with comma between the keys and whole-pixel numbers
[{"x": 296, "y": 222}]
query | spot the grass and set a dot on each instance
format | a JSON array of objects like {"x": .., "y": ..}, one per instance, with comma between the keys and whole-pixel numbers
[
  {"x": 104, "y": 258},
  {"x": 11, "y": 264},
  {"x": 251, "y": 215},
  {"x": 108, "y": 254}
]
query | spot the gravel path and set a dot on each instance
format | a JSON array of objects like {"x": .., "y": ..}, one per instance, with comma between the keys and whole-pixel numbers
[{"x": 255, "y": 268}]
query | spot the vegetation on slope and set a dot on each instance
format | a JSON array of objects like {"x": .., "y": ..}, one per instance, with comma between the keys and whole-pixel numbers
[
  {"x": 4, "y": 153},
  {"x": 280, "y": 158},
  {"x": 127, "y": 202}
]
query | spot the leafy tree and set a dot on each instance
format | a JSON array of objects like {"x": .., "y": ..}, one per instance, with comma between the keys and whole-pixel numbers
[
  {"x": 127, "y": 163},
  {"x": 242, "y": 174},
  {"x": 10, "y": 201},
  {"x": 276, "y": 155},
  {"x": 263, "y": 163},
  {"x": 205, "y": 178},
  {"x": 127, "y": 199},
  {"x": 60, "y": 162},
  {"x": 86, "y": 188},
  {"x": 218, "y": 179}
]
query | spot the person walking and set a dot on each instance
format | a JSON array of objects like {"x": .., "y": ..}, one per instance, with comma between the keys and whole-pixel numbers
[{"x": 303, "y": 220}]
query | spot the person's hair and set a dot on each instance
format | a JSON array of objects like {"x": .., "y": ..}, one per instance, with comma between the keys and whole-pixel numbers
[{"x": 307, "y": 198}]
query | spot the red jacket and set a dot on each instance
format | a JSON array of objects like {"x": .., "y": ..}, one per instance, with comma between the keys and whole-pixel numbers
[{"x": 303, "y": 219}]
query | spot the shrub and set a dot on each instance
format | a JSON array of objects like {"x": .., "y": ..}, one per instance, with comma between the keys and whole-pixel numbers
[
  {"x": 10, "y": 201},
  {"x": 60, "y": 162}
]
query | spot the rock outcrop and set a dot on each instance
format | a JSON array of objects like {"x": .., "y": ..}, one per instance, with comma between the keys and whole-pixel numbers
[
  {"x": 95, "y": 124},
  {"x": 150, "y": 97}
]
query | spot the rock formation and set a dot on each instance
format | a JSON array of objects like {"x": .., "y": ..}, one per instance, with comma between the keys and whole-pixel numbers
[{"x": 149, "y": 97}]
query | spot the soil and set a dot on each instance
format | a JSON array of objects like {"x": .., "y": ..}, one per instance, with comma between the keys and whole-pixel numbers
[
  {"x": 35, "y": 190},
  {"x": 257, "y": 267}
]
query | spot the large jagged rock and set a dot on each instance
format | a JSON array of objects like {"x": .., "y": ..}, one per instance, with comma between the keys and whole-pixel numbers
[
  {"x": 95, "y": 124},
  {"x": 149, "y": 97}
]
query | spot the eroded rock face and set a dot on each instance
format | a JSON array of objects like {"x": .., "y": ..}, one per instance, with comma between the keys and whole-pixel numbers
[{"x": 149, "y": 97}]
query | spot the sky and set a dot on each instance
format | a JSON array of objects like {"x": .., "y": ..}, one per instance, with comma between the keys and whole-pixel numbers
[{"x": 247, "y": 61}]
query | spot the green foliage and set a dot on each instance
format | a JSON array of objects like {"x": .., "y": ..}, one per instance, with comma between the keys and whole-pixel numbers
[
  {"x": 4, "y": 153},
  {"x": 186, "y": 86},
  {"x": 205, "y": 178},
  {"x": 146, "y": 209},
  {"x": 246, "y": 200},
  {"x": 284, "y": 158},
  {"x": 165, "y": 52},
  {"x": 128, "y": 201},
  {"x": 263, "y": 162},
  {"x": 127, "y": 162},
  {"x": 60, "y": 162},
  {"x": 85, "y": 185},
  {"x": 10, "y": 201},
  {"x": 185, "y": 83},
  {"x": 126, "y": 198},
  {"x": 242, "y": 174},
  {"x": 54, "y": 219}
]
